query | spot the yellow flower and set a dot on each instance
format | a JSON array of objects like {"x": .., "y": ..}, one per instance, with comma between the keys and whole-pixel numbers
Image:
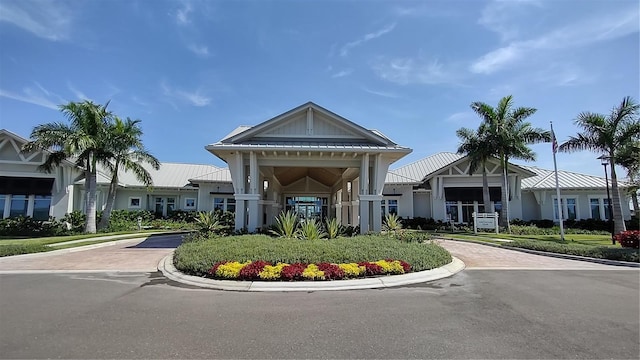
[
  {"x": 313, "y": 273},
  {"x": 270, "y": 272},
  {"x": 231, "y": 270},
  {"x": 390, "y": 267},
  {"x": 352, "y": 269}
]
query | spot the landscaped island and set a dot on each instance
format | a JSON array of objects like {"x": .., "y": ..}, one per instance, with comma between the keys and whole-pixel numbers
[{"x": 262, "y": 257}]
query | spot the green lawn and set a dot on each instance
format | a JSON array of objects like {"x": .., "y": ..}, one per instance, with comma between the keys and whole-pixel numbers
[
  {"x": 58, "y": 239},
  {"x": 594, "y": 240}
]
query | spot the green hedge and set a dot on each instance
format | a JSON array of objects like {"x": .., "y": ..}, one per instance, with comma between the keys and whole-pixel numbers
[
  {"x": 598, "y": 252},
  {"x": 198, "y": 257},
  {"x": 18, "y": 249}
]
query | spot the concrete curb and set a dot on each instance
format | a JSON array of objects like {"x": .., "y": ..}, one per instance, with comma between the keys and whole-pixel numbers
[
  {"x": 168, "y": 270},
  {"x": 550, "y": 254}
]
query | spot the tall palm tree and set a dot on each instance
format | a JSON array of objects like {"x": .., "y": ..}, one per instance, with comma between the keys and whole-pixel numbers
[
  {"x": 509, "y": 135},
  {"x": 478, "y": 149},
  {"x": 81, "y": 141},
  {"x": 125, "y": 152},
  {"x": 604, "y": 134}
]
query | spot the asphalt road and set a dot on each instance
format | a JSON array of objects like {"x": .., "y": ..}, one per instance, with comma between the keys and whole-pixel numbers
[{"x": 474, "y": 314}]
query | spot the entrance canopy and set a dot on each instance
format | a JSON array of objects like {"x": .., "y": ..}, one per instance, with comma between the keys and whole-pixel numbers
[{"x": 306, "y": 151}]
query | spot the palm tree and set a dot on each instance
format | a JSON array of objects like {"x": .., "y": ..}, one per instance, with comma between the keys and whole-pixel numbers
[
  {"x": 628, "y": 156},
  {"x": 81, "y": 141},
  {"x": 125, "y": 152},
  {"x": 475, "y": 145},
  {"x": 604, "y": 134},
  {"x": 509, "y": 135}
]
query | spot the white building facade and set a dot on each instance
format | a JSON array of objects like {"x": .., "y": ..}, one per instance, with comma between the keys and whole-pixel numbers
[{"x": 310, "y": 161}]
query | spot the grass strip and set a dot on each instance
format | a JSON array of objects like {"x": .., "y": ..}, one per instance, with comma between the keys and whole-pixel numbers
[{"x": 598, "y": 252}]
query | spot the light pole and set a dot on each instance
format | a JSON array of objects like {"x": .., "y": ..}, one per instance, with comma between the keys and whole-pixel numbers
[{"x": 604, "y": 160}]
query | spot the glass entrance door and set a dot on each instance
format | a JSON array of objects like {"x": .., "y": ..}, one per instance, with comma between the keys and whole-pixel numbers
[{"x": 308, "y": 207}]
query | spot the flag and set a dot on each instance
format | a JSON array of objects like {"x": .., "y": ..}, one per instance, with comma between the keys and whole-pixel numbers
[{"x": 554, "y": 142}]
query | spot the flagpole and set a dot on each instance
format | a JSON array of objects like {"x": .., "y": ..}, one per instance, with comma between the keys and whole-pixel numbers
[{"x": 555, "y": 168}]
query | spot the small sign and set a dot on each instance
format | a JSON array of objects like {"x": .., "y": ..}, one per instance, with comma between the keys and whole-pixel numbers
[{"x": 485, "y": 221}]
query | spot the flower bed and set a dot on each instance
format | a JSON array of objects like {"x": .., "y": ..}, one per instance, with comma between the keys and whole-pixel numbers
[
  {"x": 262, "y": 270},
  {"x": 268, "y": 258}
]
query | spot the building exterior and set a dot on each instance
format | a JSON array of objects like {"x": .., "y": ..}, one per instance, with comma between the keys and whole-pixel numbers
[{"x": 311, "y": 161}]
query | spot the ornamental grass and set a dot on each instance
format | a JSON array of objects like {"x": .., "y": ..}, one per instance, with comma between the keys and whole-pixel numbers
[{"x": 347, "y": 254}]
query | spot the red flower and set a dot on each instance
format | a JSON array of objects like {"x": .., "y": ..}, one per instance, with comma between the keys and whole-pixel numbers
[
  {"x": 628, "y": 239},
  {"x": 293, "y": 271},
  {"x": 406, "y": 266},
  {"x": 331, "y": 271},
  {"x": 251, "y": 271},
  {"x": 371, "y": 268},
  {"x": 213, "y": 270}
]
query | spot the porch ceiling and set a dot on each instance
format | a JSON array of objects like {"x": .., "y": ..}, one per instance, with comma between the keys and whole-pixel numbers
[{"x": 326, "y": 176}]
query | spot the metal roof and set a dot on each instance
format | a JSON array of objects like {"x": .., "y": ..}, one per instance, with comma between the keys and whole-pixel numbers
[
  {"x": 566, "y": 180},
  {"x": 307, "y": 145},
  {"x": 422, "y": 168},
  {"x": 221, "y": 175},
  {"x": 393, "y": 178},
  {"x": 170, "y": 175}
]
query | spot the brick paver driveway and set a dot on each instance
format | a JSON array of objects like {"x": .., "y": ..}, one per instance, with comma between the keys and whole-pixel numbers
[
  {"x": 477, "y": 256},
  {"x": 135, "y": 255}
]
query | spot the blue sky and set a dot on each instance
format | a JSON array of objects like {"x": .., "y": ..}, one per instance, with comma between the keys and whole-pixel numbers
[{"x": 192, "y": 71}]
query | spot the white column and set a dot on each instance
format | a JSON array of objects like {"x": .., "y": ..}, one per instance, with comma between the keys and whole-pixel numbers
[
  {"x": 239, "y": 181},
  {"x": 364, "y": 191},
  {"x": 255, "y": 187},
  {"x": 345, "y": 203}
]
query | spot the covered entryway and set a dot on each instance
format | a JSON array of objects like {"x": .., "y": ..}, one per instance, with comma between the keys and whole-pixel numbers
[{"x": 311, "y": 161}]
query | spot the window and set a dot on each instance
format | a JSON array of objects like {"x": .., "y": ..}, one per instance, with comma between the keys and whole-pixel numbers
[
  {"x": 41, "y": 205},
  {"x": 171, "y": 205},
  {"x": 452, "y": 211},
  {"x": 189, "y": 203},
  {"x": 595, "y": 208},
  {"x": 3, "y": 200},
  {"x": 599, "y": 208},
  {"x": 389, "y": 206},
  {"x": 224, "y": 204},
  {"x": 135, "y": 203},
  {"x": 569, "y": 208},
  {"x": 19, "y": 205}
]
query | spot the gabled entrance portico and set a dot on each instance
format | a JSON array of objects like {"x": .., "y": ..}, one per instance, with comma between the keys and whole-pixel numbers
[{"x": 308, "y": 160}]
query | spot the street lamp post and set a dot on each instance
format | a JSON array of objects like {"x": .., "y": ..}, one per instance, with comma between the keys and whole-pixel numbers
[{"x": 604, "y": 160}]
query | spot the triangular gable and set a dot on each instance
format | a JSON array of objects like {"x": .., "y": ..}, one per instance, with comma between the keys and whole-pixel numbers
[
  {"x": 461, "y": 167},
  {"x": 309, "y": 121}
]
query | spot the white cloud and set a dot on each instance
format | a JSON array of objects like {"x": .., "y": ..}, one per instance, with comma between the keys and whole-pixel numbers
[
  {"x": 342, "y": 73},
  {"x": 386, "y": 94},
  {"x": 344, "y": 51},
  {"x": 77, "y": 93},
  {"x": 200, "y": 50},
  {"x": 463, "y": 117},
  {"x": 31, "y": 96},
  {"x": 47, "y": 19},
  {"x": 195, "y": 98},
  {"x": 503, "y": 16},
  {"x": 183, "y": 13},
  {"x": 595, "y": 29},
  {"x": 409, "y": 70}
]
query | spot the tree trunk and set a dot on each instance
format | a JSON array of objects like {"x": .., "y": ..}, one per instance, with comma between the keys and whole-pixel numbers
[
  {"x": 90, "y": 201},
  {"x": 486, "y": 198},
  {"x": 618, "y": 219},
  {"x": 111, "y": 199},
  {"x": 634, "y": 200},
  {"x": 504, "y": 213}
]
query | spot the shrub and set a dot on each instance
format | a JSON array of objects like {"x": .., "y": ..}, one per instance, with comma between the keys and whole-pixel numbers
[
  {"x": 392, "y": 223},
  {"x": 26, "y": 226},
  {"x": 599, "y": 252},
  {"x": 182, "y": 216},
  {"x": 310, "y": 229},
  {"x": 334, "y": 229},
  {"x": 628, "y": 239},
  {"x": 286, "y": 224},
  {"x": 196, "y": 257}
]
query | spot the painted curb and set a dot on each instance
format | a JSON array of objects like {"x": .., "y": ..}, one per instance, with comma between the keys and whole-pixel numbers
[
  {"x": 550, "y": 254},
  {"x": 169, "y": 271}
]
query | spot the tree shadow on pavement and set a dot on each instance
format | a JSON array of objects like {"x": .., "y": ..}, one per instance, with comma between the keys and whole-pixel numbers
[{"x": 159, "y": 242}]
